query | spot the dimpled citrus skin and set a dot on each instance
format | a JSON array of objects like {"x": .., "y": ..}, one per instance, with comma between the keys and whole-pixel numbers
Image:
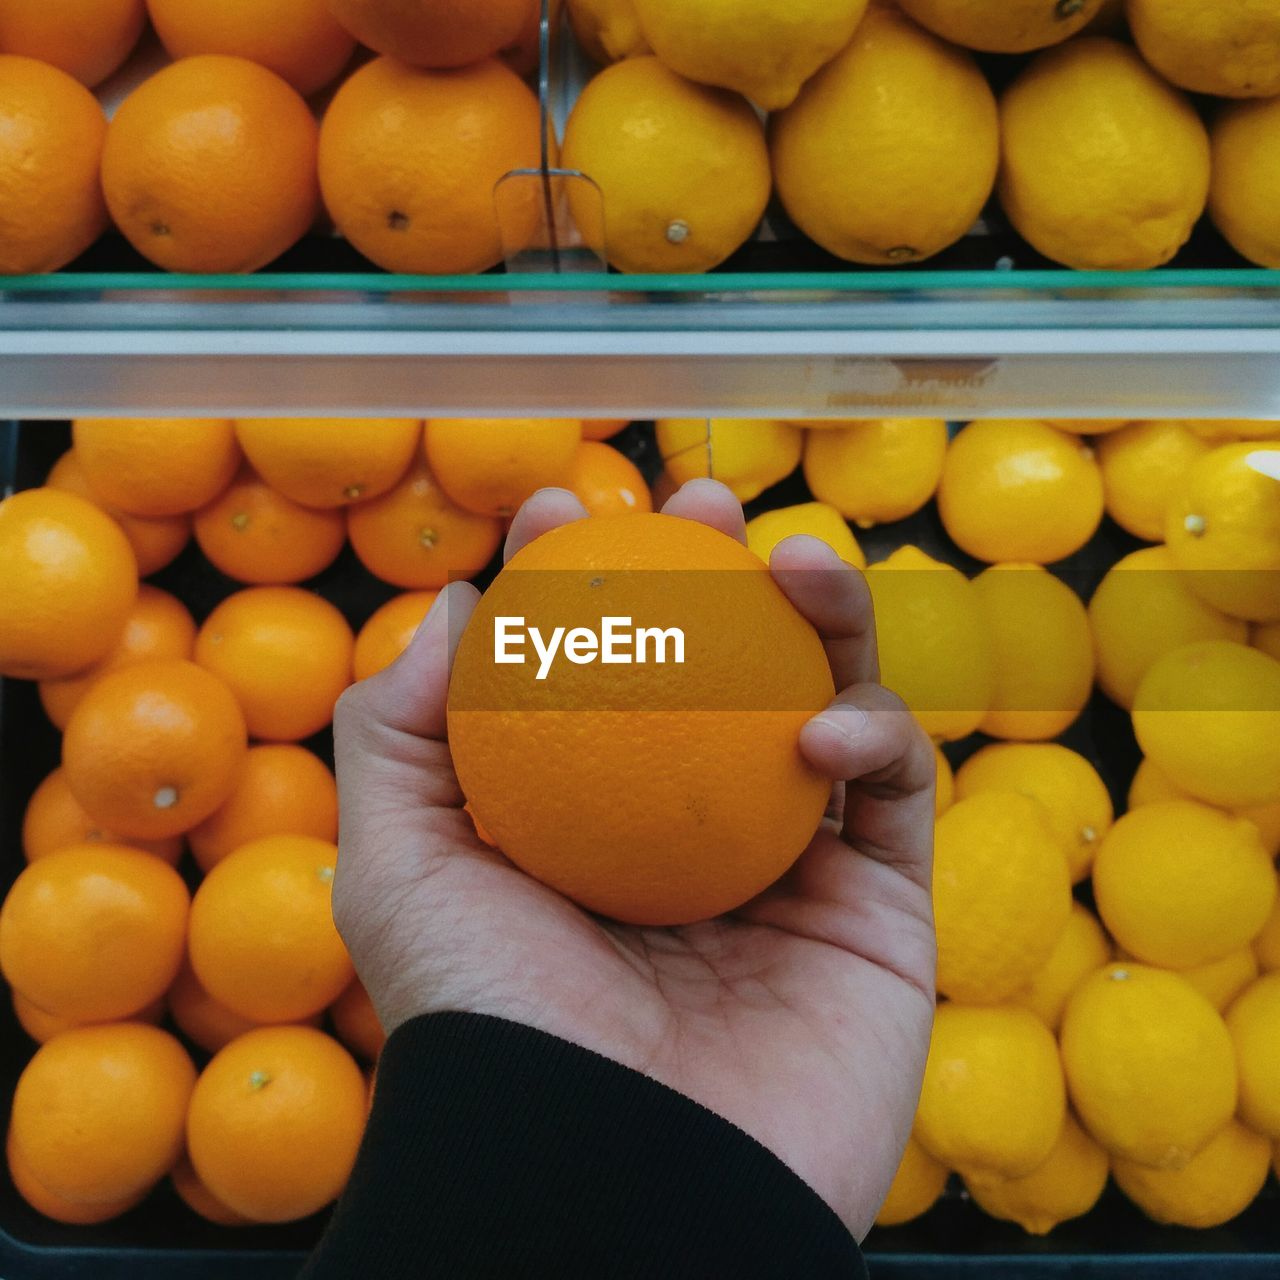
[
  {"x": 747, "y": 454},
  {"x": 1245, "y": 194},
  {"x": 1221, "y": 981},
  {"x": 1254, "y": 1023},
  {"x": 1230, "y": 48},
  {"x": 608, "y": 30},
  {"x": 48, "y": 1205},
  {"x": 703, "y": 798},
  {"x": 1004, "y": 26},
  {"x": 1082, "y": 949},
  {"x": 434, "y": 33},
  {"x": 88, "y": 39},
  {"x": 917, "y": 1185},
  {"x": 1141, "y": 465},
  {"x": 388, "y": 631}
]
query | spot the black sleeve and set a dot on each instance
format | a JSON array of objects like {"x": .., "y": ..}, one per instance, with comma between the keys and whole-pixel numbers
[{"x": 497, "y": 1151}]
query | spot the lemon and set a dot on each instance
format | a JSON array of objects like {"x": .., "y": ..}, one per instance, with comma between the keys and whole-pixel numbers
[
  {"x": 1088, "y": 426},
  {"x": 1043, "y": 652},
  {"x": 747, "y": 455},
  {"x": 1230, "y": 48},
  {"x": 1003, "y": 26},
  {"x": 1067, "y": 1185},
  {"x": 1216, "y": 1185},
  {"x": 682, "y": 171},
  {"x": 935, "y": 645},
  {"x": 916, "y": 1188},
  {"x": 765, "y": 49},
  {"x": 1266, "y": 946},
  {"x": 1149, "y": 1064},
  {"x": 1141, "y": 467},
  {"x": 1105, "y": 166},
  {"x": 1208, "y": 716},
  {"x": 946, "y": 788},
  {"x": 877, "y": 471},
  {"x": 1002, "y": 895},
  {"x": 814, "y": 518},
  {"x": 1220, "y": 981},
  {"x": 1018, "y": 490},
  {"x": 1142, "y": 610},
  {"x": 1265, "y": 637},
  {"x": 609, "y": 30},
  {"x": 1254, "y": 1023},
  {"x": 1180, "y": 884},
  {"x": 1076, "y": 801},
  {"x": 890, "y": 152},
  {"x": 1082, "y": 949},
  {"x": 1231, "y": 430},
  {"x": 1244, "y": 199},
  {"x": 1223, "y": 529},
  {"x": 993, "y": 1101}
]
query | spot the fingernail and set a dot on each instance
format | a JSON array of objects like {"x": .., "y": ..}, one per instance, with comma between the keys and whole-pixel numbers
[
  {"x": 705, "y": 483},
  {"x": 847, "y": 721},
  {"x": 816, "y": 547}
]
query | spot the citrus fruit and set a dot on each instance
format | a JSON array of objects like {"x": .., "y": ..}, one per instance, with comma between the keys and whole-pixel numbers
[
  {"x": 490, "y": 466},
  {"x": 253, "y": 533},
  {"x": 1265, "y": 636},
  {"x": 1001, "y": 26},
  {"x": 603, "y": 428},
  {"x": 1244, "y": 194},
  {"x": 42, "y": 1026},
  {"x": 1081, "y": 949},
  {"x": 682, "y": 170},
  {"x": 609, "y": 30},
  {"x": 1230, "y": 49},
  {"x": 1254, "y": 1023},
  {"x": 53, "y": 129},
  {"x": 416, "y": 536},
  {"x": 890, "y": 152},
  {"x": 434, "y": 33},
  {"x": 1149, "y": 1064},
  {"x": 1067, "y": 1185},
  {"x": 1017, "y": 490},
  {"x": 70, "y": 580},
  {"x": 154, "y": 748},
  {"x": 156, "y": 466},
  {"x": 747, "y": 454},
  {"x": 646, "y": 844},
  {"x": 409, "y": 162},
  {"x": 88, "y": 39},
  {"x": 1208, "y": 716},
  {"x": 1002, "y": 896},
  {"x": 1088, "y": 426},
  {"x": 299, "y": 40},
  {"x": 606, "y": 482},
  {"x": 284, "y": 653},
  {"x": 1104, "y": 165},
  {"x": 1076, "y": 802},
  {"x": 1110, "y": 19},
  {"x": 200, "y": 1200},
  {"x": 1141, "y": 466},
  {"x": 275, "y": 1122},
  {"x": 524, "y": 54},
  {"x": 210, "y": 166},
  {"x": 48, "y": 1205},
  {"x": 917, "y": 1187},
  {"x": 936, "y": 650},
  {"x": 356, "y": 1022},
  {"x": 387, "y": 633},
  {"x": 813, "y": 519},
  {"x": 944, "y": 795},
  {"x": 281, "y": 789},
  {"x": 1267, "y": 944},
  {"x": 330, "y": 462},
  {"x": 1232, "y": 430},
  {"x": 877, "y": 471},
  {"x": 262, "y": 938},
  {"x": 993, "y": 1100},
  {"x": 1220, "y": 981}
]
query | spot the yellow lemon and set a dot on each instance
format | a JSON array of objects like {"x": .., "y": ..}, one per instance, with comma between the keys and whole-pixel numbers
[
  {"x": 1217, "y": 1184},
  {"x": 1067, "y": 1185},
  {"x": 814, "y": 518},
  {"x": 916, "y": 1188},
  {"x": 1076, "y": 801},
  {"x": 1104, "y": 165},
  {"x": 609, "y": 30},
  {"x": 1003, "y": 26},
  {"x": 890, "y": 152},
  {"x": 682, "y": 171},
  {"x": 1208, "y": 716},
  {"x": 1223, "y": 529},
  {"x": 1141, "y": 466},
  {"x": 1220, "y": 981},
  {"x": 1244, "y": 199},
  {"x": 1002, "y": 895},
  {"x": 1082, "y": 949},
  {"x": 1088, "y": 426},
  {"x": 761, "y": 48},
  {"x": 946, "y": 789},
  {"x": 1266, "y": 946},
  {"x": 1179, "y": 884},
  {"x": 993, "y": 1100},
  {"x": 747, "y": 455},
  {"x": 1013, "y": 489},
  {"x": 1254, "y": 1023},
  {"x": 935, "y": 645},
  {"x": 1265, "y": 637},
  {"x": 877, "y": 471},
  {"x": 1231, "y": 430},
  {"x": 1149, "y": 1064},
  {"x": 1142, "y": 610},
  {"x": 1230, "y": 48}
]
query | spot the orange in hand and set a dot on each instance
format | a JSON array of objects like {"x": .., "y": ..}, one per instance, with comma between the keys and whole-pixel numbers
[
  {"x": 606, "y": 482},
  {"x": 387, "y": 633}
]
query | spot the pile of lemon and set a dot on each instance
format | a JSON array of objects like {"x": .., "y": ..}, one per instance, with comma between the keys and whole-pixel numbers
[{"x": 885, "y": 139}]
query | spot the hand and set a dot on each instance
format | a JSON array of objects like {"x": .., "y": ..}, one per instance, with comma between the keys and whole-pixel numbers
[{"x": 803, "y": 1018}]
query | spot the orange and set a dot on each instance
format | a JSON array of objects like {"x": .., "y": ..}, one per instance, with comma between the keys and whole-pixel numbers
[
  {"x": 253, "y": 533},
  {"x": 88, "y": 39},
  {"x": 603, "y": 428},
  {"x": 54, "y": 819},
  {"x": 285, "y": 654},
  {"x": 156, "y": 466},
  {"x": 42, "y": 1027},
  {"x": 44, "y": 1202},
  {"x": 154, "y": 748},
  {"x": 522, "y": 56},
  {"x": 70, "y": 580},
  {"x": 275, "y": 1122},
  {"x": 356, "y": 1022},
  {"x": 262, "y": 939},
  {"x": 435, "y": 33},
  {"x": 297, "y": 39},
  {"x": 202, "y": 1019},
  {"x": 52, "y": 132},
  {"x": 492, "y": 465},
  {"x": 98, "y": 1112},
  {"x": 210, "y": 165},
  {"x": 156, "y": 540},
  {"x": 199, "y": 1199},
  {"x": 409, "y": 163},
  {"x": 387, "y": 633},
  {"x": 417, "y": 537},
  {"x": 282, "y": 789},
  {"x": 606, "y": 483},
  {"x": 626, "y": 832},
  {"x": 158, "y": 626}
]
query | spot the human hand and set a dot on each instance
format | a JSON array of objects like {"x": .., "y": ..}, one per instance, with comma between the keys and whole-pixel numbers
[{"x": 803, "y": 1018}]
